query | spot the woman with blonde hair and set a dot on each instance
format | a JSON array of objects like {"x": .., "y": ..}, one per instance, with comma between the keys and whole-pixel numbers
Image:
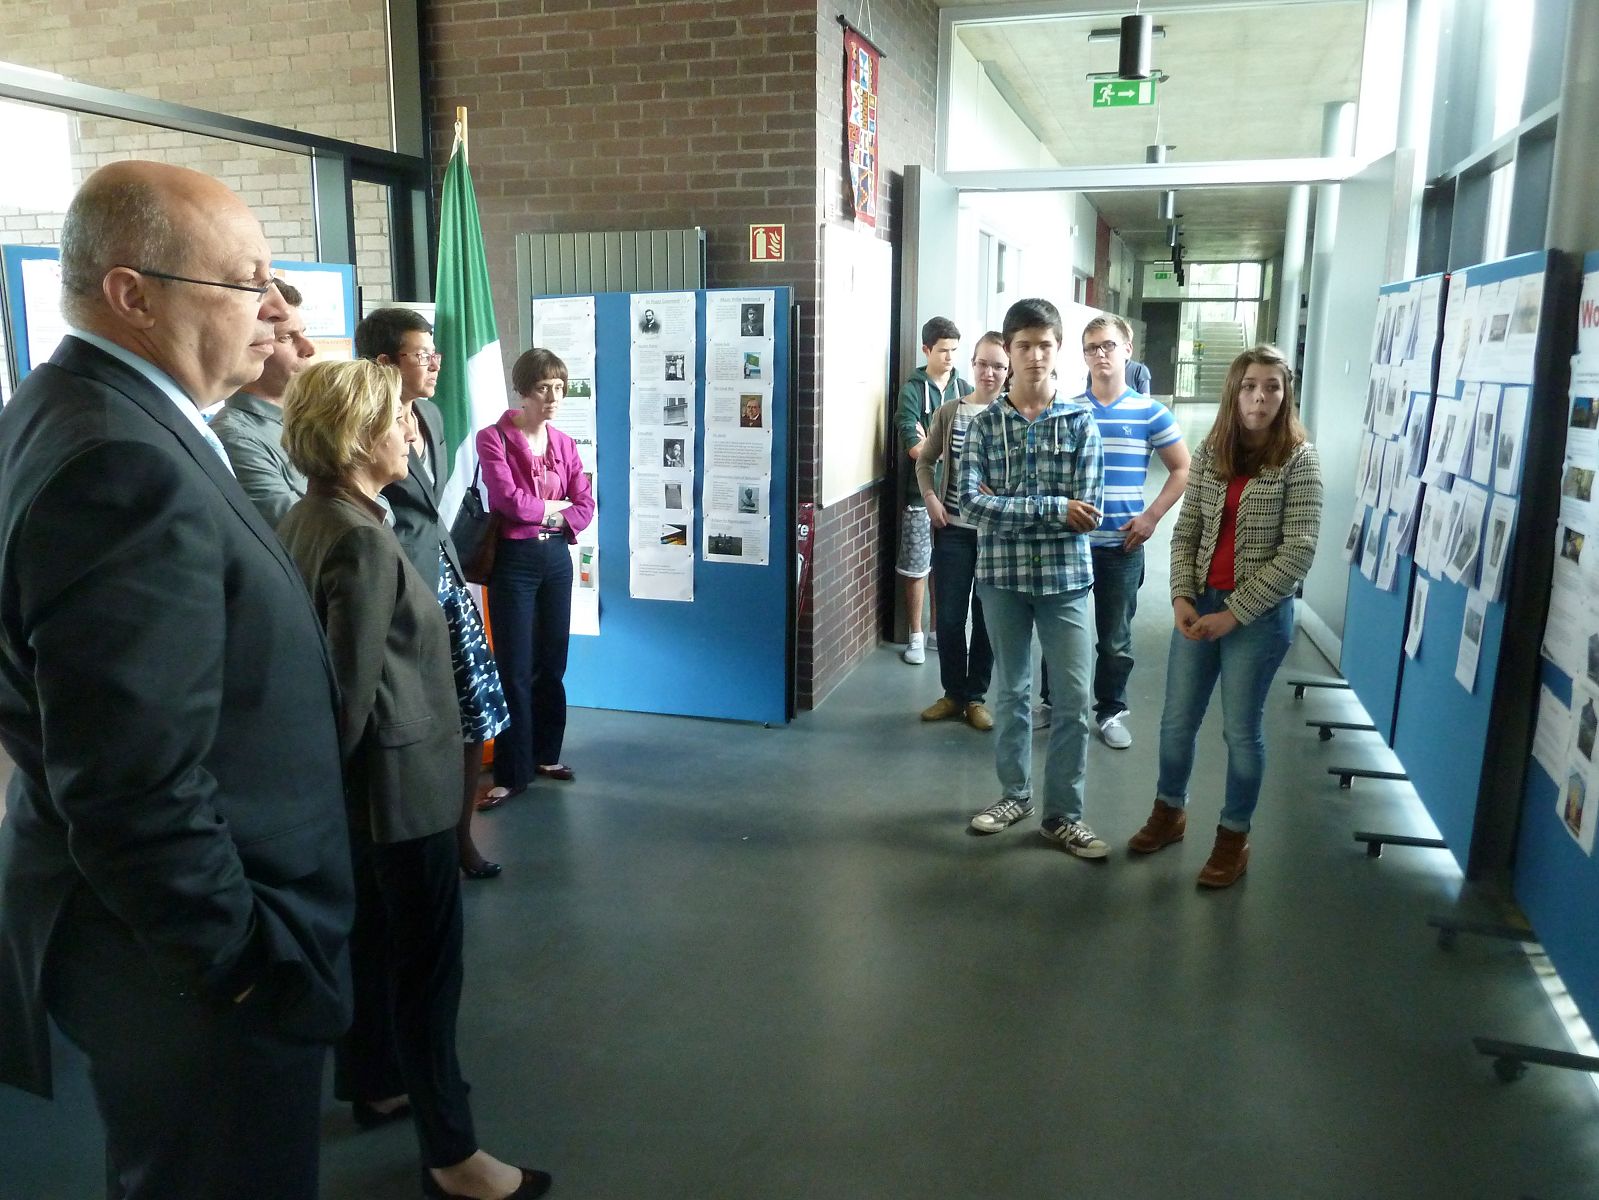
[
  {"x": 1241, "y": 548},
  {"x": 346, "y": 430}
]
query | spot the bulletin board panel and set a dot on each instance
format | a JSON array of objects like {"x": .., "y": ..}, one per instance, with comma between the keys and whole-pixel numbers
[
  {"x": 1373, "y": 657},
  {"x": 34, "y": 323},
  {"x": 1452, "y": 742},
  {"x": 724, "y": 654},
  {"x": 1556, "y": 882}
]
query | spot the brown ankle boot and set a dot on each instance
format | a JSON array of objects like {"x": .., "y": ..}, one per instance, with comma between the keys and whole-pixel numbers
[
  {"x": 1165, "y": 826},
  {"x": 1228, "y": 858}
]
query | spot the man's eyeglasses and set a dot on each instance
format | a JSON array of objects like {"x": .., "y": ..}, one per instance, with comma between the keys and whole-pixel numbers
[
  {"x": 259, "y": 289},
  {"x": 997, "y": 368},
  {"x": 423, "y": 358},
  {"x": 1092, "y": 349}
]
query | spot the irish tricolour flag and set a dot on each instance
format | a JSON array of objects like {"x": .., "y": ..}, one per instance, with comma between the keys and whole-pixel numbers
[{"x": 471, "y": 390}]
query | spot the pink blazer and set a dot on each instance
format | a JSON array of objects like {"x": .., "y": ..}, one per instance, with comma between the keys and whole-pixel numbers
[{"x": 508, "y": 473}]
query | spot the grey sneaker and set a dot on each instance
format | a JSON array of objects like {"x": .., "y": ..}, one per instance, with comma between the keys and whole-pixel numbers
[
  {"x": 1114, "y": 733},
  {"x": 1002, "y": 814},
  {"x": 1075, "y": 838},
  {"x": 1042, "y": 715}
]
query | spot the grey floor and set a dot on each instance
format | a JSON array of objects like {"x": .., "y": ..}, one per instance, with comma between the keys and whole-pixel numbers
[{"x": 733, "y": 962}]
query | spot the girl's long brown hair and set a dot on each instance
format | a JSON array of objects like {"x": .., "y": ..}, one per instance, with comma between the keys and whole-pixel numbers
[{"x": 1229, "y": 456}]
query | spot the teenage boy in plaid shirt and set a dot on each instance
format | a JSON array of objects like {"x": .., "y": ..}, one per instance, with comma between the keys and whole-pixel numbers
[{"x": 1032, "y": 479}]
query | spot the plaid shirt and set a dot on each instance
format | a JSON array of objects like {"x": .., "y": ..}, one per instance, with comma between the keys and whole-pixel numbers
[{"x": 1033, "y": 468}]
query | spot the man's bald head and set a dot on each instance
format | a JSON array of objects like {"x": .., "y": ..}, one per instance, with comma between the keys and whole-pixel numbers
[
  {"x": 122, "y": 215},
  {"x": 135, "y": 227}
]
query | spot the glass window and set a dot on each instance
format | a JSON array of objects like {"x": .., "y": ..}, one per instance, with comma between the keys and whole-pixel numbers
[
  {"x": 320, "y": 66},
  {"x": 374, "y": 248}
]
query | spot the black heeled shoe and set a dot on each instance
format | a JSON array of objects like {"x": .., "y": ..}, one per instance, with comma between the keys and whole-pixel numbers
[
  {"x": 484, "y": 870},
  {"x": 534, "y": 1184},
  {"x": 368, "y": 1117}
]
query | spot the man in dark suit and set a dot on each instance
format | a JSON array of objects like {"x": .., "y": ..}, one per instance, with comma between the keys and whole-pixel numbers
[{"x": 174, "y": 869}]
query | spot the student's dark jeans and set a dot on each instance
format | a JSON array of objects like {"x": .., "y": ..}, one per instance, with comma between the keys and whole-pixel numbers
[
  {"x": 1118, "y": 574},
  {"x": 963, "y": 669}
]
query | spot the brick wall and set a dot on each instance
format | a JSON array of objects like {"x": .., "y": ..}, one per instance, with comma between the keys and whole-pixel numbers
[
  {"x": 315, "y": 65},
  {"x": 595, "y": 115}
]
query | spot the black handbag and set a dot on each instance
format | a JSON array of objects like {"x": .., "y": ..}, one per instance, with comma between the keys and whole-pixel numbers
[{"x": 476, "y": 532}]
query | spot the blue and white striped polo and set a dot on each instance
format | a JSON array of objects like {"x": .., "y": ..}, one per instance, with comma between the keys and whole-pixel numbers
[{"x": 1132, "y": 428}]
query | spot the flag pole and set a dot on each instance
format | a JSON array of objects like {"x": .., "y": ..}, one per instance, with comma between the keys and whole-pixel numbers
[{"x": 460, "y": 131}]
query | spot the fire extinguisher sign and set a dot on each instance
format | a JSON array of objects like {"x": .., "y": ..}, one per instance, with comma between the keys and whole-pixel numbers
[{"x": 766, "y": 243}]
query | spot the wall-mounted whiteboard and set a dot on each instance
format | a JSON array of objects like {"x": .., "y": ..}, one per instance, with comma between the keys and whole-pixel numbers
[{"x": 857, "y": 279}]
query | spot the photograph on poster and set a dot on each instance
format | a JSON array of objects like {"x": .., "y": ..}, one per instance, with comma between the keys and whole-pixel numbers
[
  {"x": 1418, "y": 617},
  {"x": 672, "y": 452},
  {"x": 1576, "y": 800},
  {"x": 1470, "y": 641},
  {"x": 1467, "y": 538},
  {"x": 674, "y": 535},
  {"x": 1370, "y": 552},
  {"x": 750, "y": 407},
  {"x": 1389, "y": 563},
  {"x": 647, "y": 323},
  {"x": 673, "y": 495},
  {"x": 1584, "y": 413},
  {"x": 1356, "y": 528},
  {"x": 1593, "y": 659},
  {"x": 752, "y": 364},
  {"x": 1501, "y": 520},
  {"x": 1482, "y": 448},
  {"x": 1512, "y": 419},
  {"x": 749, "y": 500},
  {"x": 1578, "y": 483},
  {"x": 725, "y": 544},
  {"x": 675, "y": 369},
  {"x": 674, "y": 410},
  {"x": 752, "y": 320},
  {"x": 1587, "y": 727},
  {"x": 1571, "y": 546}
]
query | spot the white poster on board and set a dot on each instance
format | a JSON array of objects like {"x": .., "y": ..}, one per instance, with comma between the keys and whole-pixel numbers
[{"x": 857, "y": 291}]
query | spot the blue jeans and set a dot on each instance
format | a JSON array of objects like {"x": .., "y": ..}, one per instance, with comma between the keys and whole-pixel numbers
[
  {"x": 1245, "y": 660},
  {"x": 1118, "y": 574},
  {"x": 963, "y": 670},
  {"x": 530, "y": 603},
  {"x": 1062, "y": 624}
]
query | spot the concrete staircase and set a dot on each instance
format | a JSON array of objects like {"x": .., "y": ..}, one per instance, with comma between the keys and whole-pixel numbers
[{"x": 1223, "y": 341}]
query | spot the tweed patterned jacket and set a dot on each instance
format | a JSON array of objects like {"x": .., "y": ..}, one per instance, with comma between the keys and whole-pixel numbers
[{"x": 1279, "y": 517}]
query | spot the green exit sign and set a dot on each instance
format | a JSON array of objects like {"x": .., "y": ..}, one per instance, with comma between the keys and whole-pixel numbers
[
  {"x": 1162, "y": 274},
  {"x": 1124, "y": 93}
]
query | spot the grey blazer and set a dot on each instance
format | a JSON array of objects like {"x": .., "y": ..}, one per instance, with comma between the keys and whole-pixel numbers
[
  {"x": 418, "y": 523},
  {"x": 399, "y": 724},
  {"x": 251, "y": 431}
]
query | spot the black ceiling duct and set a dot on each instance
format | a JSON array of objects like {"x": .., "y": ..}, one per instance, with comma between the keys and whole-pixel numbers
[{"x": 1137, "y": 39}]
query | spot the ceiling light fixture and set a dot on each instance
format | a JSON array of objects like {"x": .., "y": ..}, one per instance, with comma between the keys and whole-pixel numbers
[
  {"x": 1114, "y": 34},
  {"x": 1135, "y": 58}
]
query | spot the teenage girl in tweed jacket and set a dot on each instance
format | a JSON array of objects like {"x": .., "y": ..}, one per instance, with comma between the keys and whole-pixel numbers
[{"x": 1242, "y": 546}]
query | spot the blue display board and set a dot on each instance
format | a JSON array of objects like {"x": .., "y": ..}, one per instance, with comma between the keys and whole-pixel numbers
[
  {"x": 727, "y": 653},
  {"x": 16, "y": 302},
  {"x": 1375, "y": 619},
  {"x": 1555, "y": 881},
  {"x": 332, "y": 306},
  {"x": 1444, "y": 734}
]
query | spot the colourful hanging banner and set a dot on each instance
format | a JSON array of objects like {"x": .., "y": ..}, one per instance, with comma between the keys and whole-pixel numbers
[{"x": 861, "y": 61}]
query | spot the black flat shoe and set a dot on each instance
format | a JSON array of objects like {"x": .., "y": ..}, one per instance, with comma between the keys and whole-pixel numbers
[
  {"x": 368, "y": 1117},
  {"x": 534, "y": 1183},
  {"x": 488, "y": 801},
  {"x": 557, "y": 771},
  {"x": 484, "y": 870}
]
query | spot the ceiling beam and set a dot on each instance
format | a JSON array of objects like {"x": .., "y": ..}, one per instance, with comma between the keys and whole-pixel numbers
[{"x": 1159, "y": 176}]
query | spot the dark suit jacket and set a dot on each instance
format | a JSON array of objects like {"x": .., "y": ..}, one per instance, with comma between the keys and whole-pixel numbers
[
  {"x": 418, "y": 523},
  {"x": 167, "y": 697},
  {"x": 399, "y": 724}
]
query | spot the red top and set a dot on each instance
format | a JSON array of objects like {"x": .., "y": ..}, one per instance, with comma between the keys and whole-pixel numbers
[{"x": 1221, "y": 563}]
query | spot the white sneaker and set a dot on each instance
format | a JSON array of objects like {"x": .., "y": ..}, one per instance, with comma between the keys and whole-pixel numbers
[
  {"x": 1001, "y": 815},
  {"x": 1075, "y": 838},
  {"x": 915, "y": 651},
  {"x": 1042, "y": 716},
  {"x": 1115, "y": 734}
]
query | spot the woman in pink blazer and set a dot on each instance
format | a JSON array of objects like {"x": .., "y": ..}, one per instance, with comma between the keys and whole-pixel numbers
[{"x": 536, "y": 482}]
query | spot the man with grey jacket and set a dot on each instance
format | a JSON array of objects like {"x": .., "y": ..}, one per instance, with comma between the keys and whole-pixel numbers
[{"x": 250, "y": 425}]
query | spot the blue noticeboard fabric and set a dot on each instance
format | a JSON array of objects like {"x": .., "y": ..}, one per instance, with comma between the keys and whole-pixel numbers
[
  {"x": 1442, "y": 731},
  {"x": 1375, "y": 621},
  {"x": 725, "y": 654},
  {"x": 1556, "y": 884}
]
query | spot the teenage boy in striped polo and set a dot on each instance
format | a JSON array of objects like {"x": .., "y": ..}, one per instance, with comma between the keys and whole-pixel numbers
[
  {"x": 1031, "y": 475},
  {"x": 1132, "y": 427}
]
